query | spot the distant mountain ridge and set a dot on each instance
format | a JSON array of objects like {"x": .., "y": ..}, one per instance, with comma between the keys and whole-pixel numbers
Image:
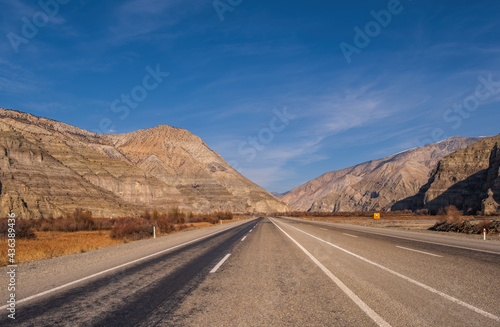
[
  {"x": 48, "y": 168},
  {"x": 278, "y": 195},
  {"x": 374, "y": 185}
]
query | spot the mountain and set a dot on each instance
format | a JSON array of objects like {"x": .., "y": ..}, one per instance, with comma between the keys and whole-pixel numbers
[
  {"x": 374, "y": 185},
  {"x": 468, "y": 179},
  {"x": 48, "y": 168}
]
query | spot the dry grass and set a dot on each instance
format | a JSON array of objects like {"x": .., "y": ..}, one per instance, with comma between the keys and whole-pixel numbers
[
  {"x": 199, "y": 225},
  {"x": 54, "y": 244},
  {"x": 229, "y": 221}
]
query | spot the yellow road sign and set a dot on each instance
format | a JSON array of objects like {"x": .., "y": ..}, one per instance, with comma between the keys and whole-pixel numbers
[{"x": 376, "y": 215}]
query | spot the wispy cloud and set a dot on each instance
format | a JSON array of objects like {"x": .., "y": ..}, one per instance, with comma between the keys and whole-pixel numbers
[
  {"x": 138, "y": 18},
  {"x": 13, "y": 85},
  {"x": 46, "y": 107},
  {"x": 359, "y": 106}
]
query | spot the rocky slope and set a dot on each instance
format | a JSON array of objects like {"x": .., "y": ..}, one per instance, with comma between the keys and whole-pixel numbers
[
  {"x": 468, "y": 179},
  {"x": 374, "y": 185},
  {"x": 48, "y": 168}
]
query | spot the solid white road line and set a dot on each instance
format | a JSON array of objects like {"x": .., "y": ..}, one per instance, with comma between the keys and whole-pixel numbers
[
  {"x": 243, "y": 238},
  {"x": 220, "y": 263},
  {"x": 362, "y": 305},
  {"x": 408, "y": 279},
  {"x": 435, "y": 255},
  {"x": 111, "y": 269},
  {"x": 323, "y": 228},
  {"x": 349, "y": 235}
]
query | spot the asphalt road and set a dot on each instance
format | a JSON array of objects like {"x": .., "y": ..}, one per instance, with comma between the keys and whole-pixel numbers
[{"x": 268, "y": 272}]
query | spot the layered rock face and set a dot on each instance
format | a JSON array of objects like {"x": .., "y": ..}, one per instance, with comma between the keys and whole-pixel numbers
[
  {"x": 374, "y": 185},
  {"x": 468, "y": 179},
  {"x": 491, "y": 204},
  {"x": 48, "y": 168}
]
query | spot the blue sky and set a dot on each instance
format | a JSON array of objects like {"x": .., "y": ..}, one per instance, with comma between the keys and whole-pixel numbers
[{"x": 269, "y": 85}]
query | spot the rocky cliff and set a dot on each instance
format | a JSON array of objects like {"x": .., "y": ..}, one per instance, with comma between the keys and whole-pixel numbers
[
  {"x": 48, "y": 168},
  {"x": 468, "y": 179},
  {"x": 374, "y": 185}
]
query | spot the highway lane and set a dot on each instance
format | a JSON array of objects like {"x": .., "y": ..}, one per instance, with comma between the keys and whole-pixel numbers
[
  {"x": 448, "y": 239},
  {"x": 439, "y": 285},
  {"x": 128, "y": 293},
  {"x": 275, "y": 272}
]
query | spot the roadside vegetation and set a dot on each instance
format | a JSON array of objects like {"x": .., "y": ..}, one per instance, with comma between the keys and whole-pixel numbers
[
  {"x": 353, "y": 214},
  {"x": 79, "y": 231},
  {"x": 449, "y": 219}
]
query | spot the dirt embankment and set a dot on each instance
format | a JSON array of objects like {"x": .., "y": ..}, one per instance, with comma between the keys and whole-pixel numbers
[{"x": 468, "y": 226}]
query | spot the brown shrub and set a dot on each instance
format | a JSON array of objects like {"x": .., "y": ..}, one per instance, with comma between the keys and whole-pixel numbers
[
  {"x": 131, "y": 229},
  {"x": 422, "y": 212},
  {"x": 176, "y": 215},
  {"x": 103, "y": 223},
  {"x": 23, "y": 229},
  {"x": 146, "y": 215},
  {"x": 224, "y": 215},
  {"x": 450, "y": 215},
  {"x": 164, "y": 225},
  {"x": 194, "y": 219},
  {"x": 79, "y": 220},
  {"x": 182, "y": 227},
  {"x": 484, "y": 224},
  {"x": 212, "y": 218},
  {"x": 4, "y": 227},
  {"x": 441, "y": 218}
]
